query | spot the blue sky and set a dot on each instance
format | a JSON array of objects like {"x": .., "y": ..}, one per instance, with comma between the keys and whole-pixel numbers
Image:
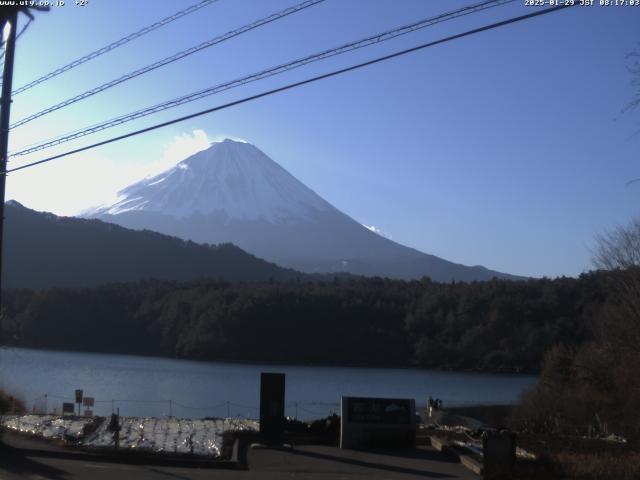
[{"x": 506, "y": 149}]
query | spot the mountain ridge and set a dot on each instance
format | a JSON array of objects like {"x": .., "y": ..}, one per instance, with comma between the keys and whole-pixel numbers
[{"x": 43, "y": 250}]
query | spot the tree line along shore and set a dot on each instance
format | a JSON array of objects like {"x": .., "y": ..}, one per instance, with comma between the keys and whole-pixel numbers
[{"x": 497, "y": 325}]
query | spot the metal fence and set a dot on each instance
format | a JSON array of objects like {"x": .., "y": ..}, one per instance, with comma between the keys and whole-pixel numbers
[{"x": 52, "y": 404}]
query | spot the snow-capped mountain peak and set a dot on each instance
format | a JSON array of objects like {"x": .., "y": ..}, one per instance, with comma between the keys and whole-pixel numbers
[{"x": 231, "y": 178}]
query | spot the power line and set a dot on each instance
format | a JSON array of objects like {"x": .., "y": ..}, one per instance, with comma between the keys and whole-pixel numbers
[
  {"x": 116, "y": 44},
  {"x": 24, "y": 28},
  {"x": 296, "y": 84},
  {"x": 365, "y": 42},
  {"x": 173, "y": 58},
  {"x": 188, "y": 407}
]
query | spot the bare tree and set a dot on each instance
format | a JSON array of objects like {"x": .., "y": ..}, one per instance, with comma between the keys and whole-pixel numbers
[
  {"x": 634, "y": 69},
  {"x": 620, "y": 248},
  {"x": 619, "y": 251}
]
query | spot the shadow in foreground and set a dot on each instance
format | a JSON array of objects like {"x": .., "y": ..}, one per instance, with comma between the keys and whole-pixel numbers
[
  {"x": 16, "y": 461},
  {"x": 416, "y": 454}
]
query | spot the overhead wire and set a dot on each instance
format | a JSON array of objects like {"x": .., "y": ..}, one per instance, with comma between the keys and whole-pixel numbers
[
  {"x": 114, "y": 45},
  {"x": 348, "y": 47},
  {"x": 189, "y": 407},
  {"x": 297, "y": 84},
  {"x": 246, "y": 407},
  {"x": 170, "y": 59},
  {"x": 24, "y": 28}
]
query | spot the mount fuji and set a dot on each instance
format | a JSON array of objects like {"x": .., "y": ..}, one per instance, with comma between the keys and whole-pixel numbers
[{"x": 233, "y": 192}]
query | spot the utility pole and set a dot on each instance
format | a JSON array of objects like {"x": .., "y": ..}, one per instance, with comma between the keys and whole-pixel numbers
[
  {"x": 8, "y": 17},
  {"x": 11, "y": 19}
]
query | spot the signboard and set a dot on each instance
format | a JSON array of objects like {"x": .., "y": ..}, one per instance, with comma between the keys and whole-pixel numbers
[
  {"x": 380, "y": 411},
  {"x": 272, "y": 408},
  {"x": 78, "y": 396},
  {"x": 88, "y": 413},
  {"x": 68, "y": 408},
  {"x": 378, "y": 423},
  {"x": 88, "y": 401}
]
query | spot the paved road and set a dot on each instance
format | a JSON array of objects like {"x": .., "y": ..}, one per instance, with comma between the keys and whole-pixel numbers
[
  {"x": 36, "y": 461},
  {"x": 323, "y": 462}
]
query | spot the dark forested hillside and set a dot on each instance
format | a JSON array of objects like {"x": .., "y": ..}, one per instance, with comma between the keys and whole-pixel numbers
[
  {"x": 497, "y": 325},
  {"x": 43, "y": 250}
]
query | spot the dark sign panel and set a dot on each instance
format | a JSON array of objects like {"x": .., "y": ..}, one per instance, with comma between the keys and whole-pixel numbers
[
  {"x": 383, "y": 411},
  {"x": 499, "y": 450},
  {"x": 68, "y": 407},
  {"x": 78, "y": 396},
  {"x": 370, "y": 423}
]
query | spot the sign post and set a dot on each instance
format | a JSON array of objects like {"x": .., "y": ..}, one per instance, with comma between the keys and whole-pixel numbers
[
  {"x": 114, "y": 427},
  {"x": 79, "y": 399}
]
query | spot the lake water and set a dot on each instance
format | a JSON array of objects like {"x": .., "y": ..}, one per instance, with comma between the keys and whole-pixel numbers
[{"x": 149, "y": 386}]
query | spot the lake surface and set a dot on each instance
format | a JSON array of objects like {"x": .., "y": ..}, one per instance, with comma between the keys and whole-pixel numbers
[{"x": 149, "y": 386}]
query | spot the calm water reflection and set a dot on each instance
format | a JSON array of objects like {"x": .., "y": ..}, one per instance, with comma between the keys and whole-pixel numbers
[{"x": 159, "y": 386}]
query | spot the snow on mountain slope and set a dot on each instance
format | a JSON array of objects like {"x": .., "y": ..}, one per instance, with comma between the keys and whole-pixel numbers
[
  {"x": 232, "y": 178},
  {"x": 374, "y": 229},
  {"x": 232, "y": 192}
]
